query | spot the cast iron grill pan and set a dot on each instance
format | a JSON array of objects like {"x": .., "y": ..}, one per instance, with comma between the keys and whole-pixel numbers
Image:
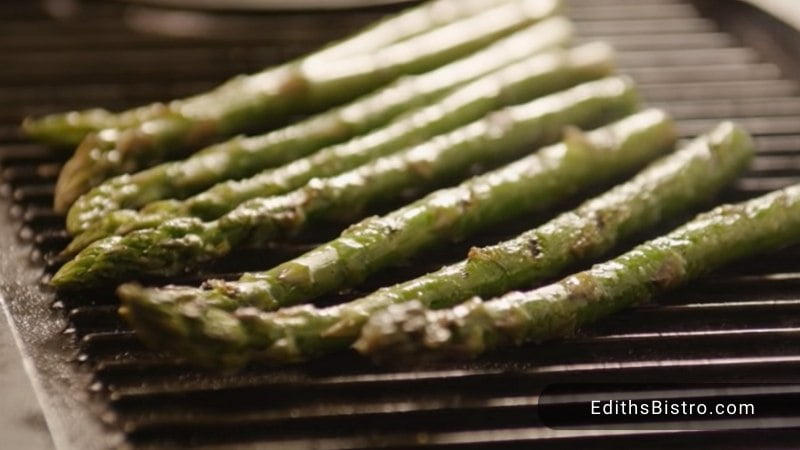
[{"x": 100, "y": 388}]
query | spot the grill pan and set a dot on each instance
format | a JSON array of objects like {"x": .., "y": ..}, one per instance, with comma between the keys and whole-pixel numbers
[{"x": 99, "y": 388}]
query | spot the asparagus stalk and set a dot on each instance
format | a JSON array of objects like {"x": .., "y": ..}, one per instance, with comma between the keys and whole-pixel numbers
[
  {"x": 519, "y": 82},
  {"x": 728, "y": 233},
  {"x": 217, "y": 334},
  {"x": 242, "y": 157},
  {"x": 245, "y": 103},
  {"x": 530, "y": 184},
  {"x": 409, "y": 23},
  {"x": 179, "y": 244},
  {"x": 68, "y": 129}
]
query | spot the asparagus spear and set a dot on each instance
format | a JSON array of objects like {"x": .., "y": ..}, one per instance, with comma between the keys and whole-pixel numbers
[
  {"x": 725, "y": 234},
  {"x": 68, "y": 129},
  {"x": 182, "y": 243},
  {"x": 408, "y": 23},
  {"x": 537, "y": 76},
  {"x": 245, "y": 103},
  {"x": 217, "y": 334},
  {"x": 546, "y": 73},
  {"x": 530, "y": 184},
  {"x": 242, "y": 157}
]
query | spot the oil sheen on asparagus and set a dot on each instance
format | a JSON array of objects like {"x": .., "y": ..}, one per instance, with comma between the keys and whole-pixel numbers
[
  {"x": 69, "y": 128},
  {"x": 731, "y": 232},
  {"x": 246, "y": 103},
  {"x": 214, "y": 335},
  {"x": 529, "y": 184},
  {"x": 246, "y": 156},
  {"x": 241, "y": 157},
  {"x": 539, "y": 75},
  {"x": 180, "y": 244}
]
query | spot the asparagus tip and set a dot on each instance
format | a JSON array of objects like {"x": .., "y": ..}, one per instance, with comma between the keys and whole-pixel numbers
[
  {"x": 73, "y": 180},
  {"x": 90, "y": 267},
  {"x": 28, "y": 126},
  {"x": 107, "y": 227},
  {"x": 71, "y": 275},
  {"x": 37, "y": 127},
  {"x": 176, "y": 318},
  {"x": 155, "y": 324}
]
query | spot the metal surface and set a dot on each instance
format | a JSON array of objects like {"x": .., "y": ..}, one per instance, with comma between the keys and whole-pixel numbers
[
  {"x": 22, "y": 425},
  {"x": 99, "y": 387}
]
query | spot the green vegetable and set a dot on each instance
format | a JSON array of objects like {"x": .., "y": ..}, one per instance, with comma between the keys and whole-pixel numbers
[
  {"x": 542, "y": 75},
  {"x": 726, "y": 234},
  {"x": 182, "y": 243},
  {"x": 68, "y": 129},
  {"x": 214, "y": 332},
  {"x": 246, "y": 103},
  {"x": 530, "y": 184},
  {"x": 242, "y": 157}
]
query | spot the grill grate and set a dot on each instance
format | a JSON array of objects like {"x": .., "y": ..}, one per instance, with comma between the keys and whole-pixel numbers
[{"x": 99, "y": 385}]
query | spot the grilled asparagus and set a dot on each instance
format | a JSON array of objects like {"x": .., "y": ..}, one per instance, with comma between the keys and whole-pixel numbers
[
  {"x": 215, "y": 333},
  {"x": 542, "y": 74},
  {"x": 529, "y": 184},
  {"x": 725, "y": 234},
  {"x": 70, "y": 128},
  {"x": 181, "y": 243},
  {"x": 246, "y": 103},
  {"x": 245, "y": 156}
]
